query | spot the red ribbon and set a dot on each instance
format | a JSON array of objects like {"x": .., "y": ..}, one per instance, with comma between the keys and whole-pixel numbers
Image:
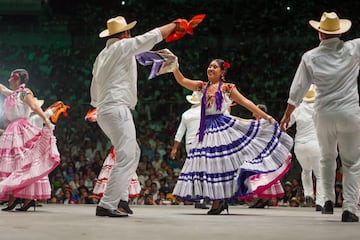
[{"x": 185, "y": 27}]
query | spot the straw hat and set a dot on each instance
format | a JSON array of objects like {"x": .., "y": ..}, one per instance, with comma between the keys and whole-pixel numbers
[
  {"x": 288, "y": 183},
  {"x": 331, "y": 24},
  {"x": 310, "y": 95},
  {"x": 39, "y": 102},
  {"x": 193, "y": 98},
  {"x": 262, "y": 107},
  {"x": 116, "y": 25}
]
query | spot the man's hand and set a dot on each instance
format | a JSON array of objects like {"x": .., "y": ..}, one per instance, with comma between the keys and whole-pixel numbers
[
  {"x": 173, "y": 153},
  {"x": 184, "y": 27}
]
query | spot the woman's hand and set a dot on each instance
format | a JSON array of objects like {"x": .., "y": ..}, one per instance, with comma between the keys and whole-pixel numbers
[
  {"x": 47, "y": 122},
  {"x": 270, "y": 119}
]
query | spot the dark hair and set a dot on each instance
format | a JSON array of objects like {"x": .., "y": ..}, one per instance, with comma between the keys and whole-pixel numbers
[
  {"x": 116, "y": 35},
  {"x": 221, "y": 64},
  {"x": 23, "y": 74}
]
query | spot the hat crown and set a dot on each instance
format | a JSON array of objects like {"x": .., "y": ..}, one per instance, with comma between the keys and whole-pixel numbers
[
  {"x": 115, "y": 25},
  {"x": 330, "y": 21},
  {"x": 311, "y": 94},
  {"x": 193, "y": 98}
]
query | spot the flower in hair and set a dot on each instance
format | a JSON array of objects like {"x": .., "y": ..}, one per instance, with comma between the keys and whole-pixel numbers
[
  {"x": 226, "y": 65},
  {"x": 15, "y": 75}
]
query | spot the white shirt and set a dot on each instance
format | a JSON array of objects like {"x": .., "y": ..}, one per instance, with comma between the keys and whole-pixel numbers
[
  {"x": 190, "y": 121},
  {"x": 115, "y": 71},
  {"x": 333, "y": 67},
  {"x": 305, "y": 127}
]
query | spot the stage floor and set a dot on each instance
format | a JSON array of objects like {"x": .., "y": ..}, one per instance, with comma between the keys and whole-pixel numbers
[{"x": 78, "y": 222}]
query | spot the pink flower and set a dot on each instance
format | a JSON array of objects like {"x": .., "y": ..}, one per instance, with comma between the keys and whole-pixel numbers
[{"x": 15, "y": 75}]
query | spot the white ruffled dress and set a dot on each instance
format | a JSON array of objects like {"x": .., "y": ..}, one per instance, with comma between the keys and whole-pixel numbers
[
  {"x": 236, "y": 159},
  {"x": 103, "y": 178}
]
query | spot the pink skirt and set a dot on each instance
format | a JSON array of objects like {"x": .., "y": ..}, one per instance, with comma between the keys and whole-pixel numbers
[
  {"x": 100, "y": 185},
  {"x": 27, "y": 155},
  {"x": 268, "y": 191}
]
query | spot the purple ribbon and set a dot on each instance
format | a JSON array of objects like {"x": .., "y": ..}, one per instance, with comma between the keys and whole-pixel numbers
[{"x": 150, "y": 58}]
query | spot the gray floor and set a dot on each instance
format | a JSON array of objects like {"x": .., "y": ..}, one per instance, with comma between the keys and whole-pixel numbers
[{"x": 79, "y": 222}]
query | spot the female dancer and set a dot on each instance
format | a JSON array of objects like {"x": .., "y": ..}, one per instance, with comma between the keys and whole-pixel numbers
[
  {"x": 232, "y": 158},
  {"x": 27, "y": 153}
]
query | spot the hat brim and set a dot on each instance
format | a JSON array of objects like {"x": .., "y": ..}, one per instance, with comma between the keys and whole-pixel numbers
[
  {"x": 105, "y": 33},
  {"x": 189, "y": 97},
  {"x": 40, "y": 103},
  {"x": 345, "y": 25},
  {"x": 305, "y": 99}
]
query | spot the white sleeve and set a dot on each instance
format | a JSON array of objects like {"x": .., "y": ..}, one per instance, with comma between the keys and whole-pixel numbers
[{"x": 180, "y": 131}]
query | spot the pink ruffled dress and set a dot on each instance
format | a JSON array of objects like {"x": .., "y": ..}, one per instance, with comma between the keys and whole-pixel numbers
[{"x": 27, "y": 153}]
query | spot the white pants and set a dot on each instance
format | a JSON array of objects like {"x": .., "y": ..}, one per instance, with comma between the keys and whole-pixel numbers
[
  {"x": 118, "y": 124},
  {"x": 340, "y": 130},
  {"x": 308, "y": 155}
]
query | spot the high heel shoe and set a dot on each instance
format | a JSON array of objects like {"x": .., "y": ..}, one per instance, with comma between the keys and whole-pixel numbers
[
  {"x": 257, "y": 202},
  {"x": 216, "y": 211},
  {"x": 24, "y": 208},
  {"x": 12, "y": 206}
]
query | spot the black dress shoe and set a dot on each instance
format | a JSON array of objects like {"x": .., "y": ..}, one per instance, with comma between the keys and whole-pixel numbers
[
  {"x": 309, "y": 202},
  {"x": 318, "y": 208},
  {"x": 261, "y": 203},
  {"x": 328, "y": 208},
  {"x": 123, "y": 206},
  {"x": 103, "y": 212},
  {"x": 349, "y": 217}
]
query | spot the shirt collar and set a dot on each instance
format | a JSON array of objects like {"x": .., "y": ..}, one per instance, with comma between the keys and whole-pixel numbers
[
  {"x": 111, "y": 41},
  {"x": 329, "y": 41}
]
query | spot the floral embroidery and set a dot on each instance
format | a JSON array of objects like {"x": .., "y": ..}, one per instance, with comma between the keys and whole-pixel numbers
[
  {"x": 228, "y": 87},
  {"x": 201, "y": 86},
  {"x": 15, "y": 75},
  {"x": 23, "y": 92}
]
